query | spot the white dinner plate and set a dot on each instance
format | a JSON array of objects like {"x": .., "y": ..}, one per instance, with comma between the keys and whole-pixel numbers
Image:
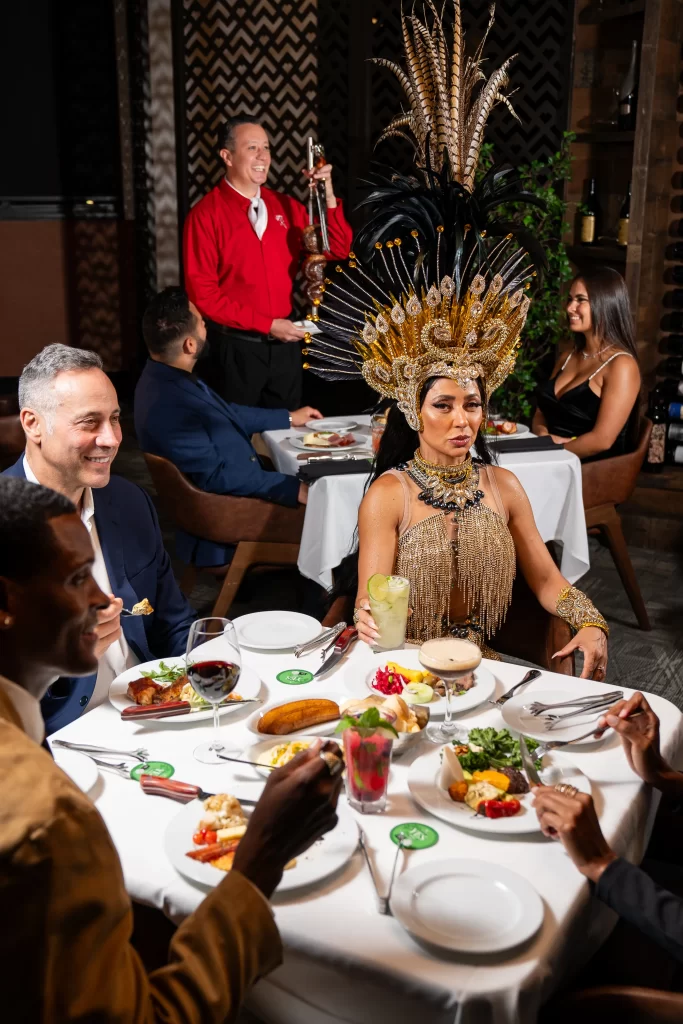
[
  {"x": 522, "y": 431},
  {"x": 80, "y": 768},
  {"x": 257, "y": 751},
  {"x": 316, "y": 730},
  {"x": 276, "y": 631},
  {"x": 340, "y": 425},
  {"x": 468, "y": 906},
  {"x": 519, "y": 720},
  {"x": 483, "y": 689},
  {"x": 423, "y": 783},
  {"x": 360, "y": 442},
  {"x": 322, "y": 859},
  {"x": 248, "y": 686}
]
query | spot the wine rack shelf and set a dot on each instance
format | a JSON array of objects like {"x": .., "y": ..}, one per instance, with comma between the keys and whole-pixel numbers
[
  {"x": 606, "y": 137},
  {"x": 578, "y": 254},
  {"x": 599, "y": 15}
]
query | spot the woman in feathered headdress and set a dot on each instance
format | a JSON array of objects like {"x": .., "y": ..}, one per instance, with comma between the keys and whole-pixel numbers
[{"x": 432, "y": 320}]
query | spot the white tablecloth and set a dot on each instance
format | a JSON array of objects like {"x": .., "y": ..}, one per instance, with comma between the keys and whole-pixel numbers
[
  {"x": 345, "y": 962},
  {"x": 552, "y": 481}
]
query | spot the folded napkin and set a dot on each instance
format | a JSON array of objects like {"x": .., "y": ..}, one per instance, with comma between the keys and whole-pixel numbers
[
  {"x": 326, "y": 467},
  {"x": 525, "y": 444}
]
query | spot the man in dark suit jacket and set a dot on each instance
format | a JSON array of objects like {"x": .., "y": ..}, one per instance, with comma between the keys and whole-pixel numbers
[
  {"x": 180, "y": 418},
  {"x": 70, "y": 414}
]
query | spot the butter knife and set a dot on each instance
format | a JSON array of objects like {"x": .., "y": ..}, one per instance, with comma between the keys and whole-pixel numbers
[{"x": 528, "y": 764}]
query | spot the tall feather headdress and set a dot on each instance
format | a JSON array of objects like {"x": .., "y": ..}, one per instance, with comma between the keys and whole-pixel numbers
[{"x": 436, "y": 284}]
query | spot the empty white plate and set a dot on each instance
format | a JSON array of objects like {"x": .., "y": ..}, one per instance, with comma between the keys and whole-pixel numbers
[
  {"x": 341, "y": 425},
  {"x": 468, "y": 906},
  {"x": 276, "y": 631},
  {"x": 516, "y": 716},
  {"x": 80, "y": 768}
]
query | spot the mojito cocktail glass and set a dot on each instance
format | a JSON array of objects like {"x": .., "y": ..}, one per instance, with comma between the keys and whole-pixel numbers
[{"x": 367, "y": 753}]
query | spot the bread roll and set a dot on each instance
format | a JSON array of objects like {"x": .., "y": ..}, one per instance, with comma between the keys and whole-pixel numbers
[{"x": 299, "y": 714}]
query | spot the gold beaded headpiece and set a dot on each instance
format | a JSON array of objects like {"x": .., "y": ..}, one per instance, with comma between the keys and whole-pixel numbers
[
  {"x": 448, "y": 298},
  {"x": 403, "y": 336}
]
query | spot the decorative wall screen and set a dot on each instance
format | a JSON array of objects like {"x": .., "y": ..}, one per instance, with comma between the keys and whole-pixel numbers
[{"x": 246, "y": 57}]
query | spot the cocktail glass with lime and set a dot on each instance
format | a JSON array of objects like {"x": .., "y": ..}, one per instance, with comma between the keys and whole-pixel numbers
[{"x": 389, "y": 597}]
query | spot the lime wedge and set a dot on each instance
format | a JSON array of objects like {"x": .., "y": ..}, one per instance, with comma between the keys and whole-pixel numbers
[
  {"x": 418, "y": 693},
  {"x": 377, "y": 587}
]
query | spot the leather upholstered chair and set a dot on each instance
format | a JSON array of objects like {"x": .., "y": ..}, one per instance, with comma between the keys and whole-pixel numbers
[
  {"x": 263, "y": 533},
  {"x": 529, "y": 632},
  {"x": 617, "y": 1003},
  {"x": 606, "y": 484},
  {"x": 12, "y": 440}
]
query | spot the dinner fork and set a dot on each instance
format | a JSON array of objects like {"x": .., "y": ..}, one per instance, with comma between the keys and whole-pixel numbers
[
  {"x": 120, "y": 769},
  {"x": 86, "y": 748},
  {"x": 537, "y": 708},
  {"x": 533, "y": 673},
  {"x": 587, "y": 709},
  {"x": 400, "y": 845}
]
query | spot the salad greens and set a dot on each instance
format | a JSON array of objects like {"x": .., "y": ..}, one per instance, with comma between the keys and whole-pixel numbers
[
  {"x": 166, "y": 673},
  {"x": 370, "y": 720},
  {"x": 499, "y": 749}
]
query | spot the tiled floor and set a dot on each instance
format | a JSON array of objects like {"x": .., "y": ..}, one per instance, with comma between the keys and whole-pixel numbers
[{"x": 651, "y": 660}]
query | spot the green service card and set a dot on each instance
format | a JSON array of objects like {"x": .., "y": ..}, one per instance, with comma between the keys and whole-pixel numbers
[{"x": 421, "y": 837}]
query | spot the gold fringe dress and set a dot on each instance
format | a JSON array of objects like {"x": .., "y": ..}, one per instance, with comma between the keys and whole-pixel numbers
[{"x": 477, "y": 558}]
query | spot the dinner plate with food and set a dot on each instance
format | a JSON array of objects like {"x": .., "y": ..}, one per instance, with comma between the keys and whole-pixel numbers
[
  {"x": 201, "y": 841},
  {"x": 161, "y": 682},
  {"x": 505, "y": 428},
  {"x": 328, "y": 440},
  {"x": 268, "y": 754},
  {"x": 400, "y": 672},
  {"x": 480, "y": 785},
  {"x": 316, "y": 713}
]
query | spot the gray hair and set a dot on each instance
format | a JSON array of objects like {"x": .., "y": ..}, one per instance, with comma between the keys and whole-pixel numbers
[{"x": 35, "y": 383}]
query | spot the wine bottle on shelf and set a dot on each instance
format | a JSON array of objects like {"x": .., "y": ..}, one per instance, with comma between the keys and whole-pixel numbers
[
  {"x": 628, "y": 93},
  {"x": 668, "y": 390},
  {"x": 674, "y": 321},
  {"x": 624, "y": 219},
  {"x": 675, "y": 433},
  {"x": 590, "y": 215},
  {"x": 677, "y": 275},
  {"x": 677, "y": 252},
  {"x": 656, "y": 451},
  {"x": 675, "y": 298},
  {"x": 674, "y": 344},
  {"x": 674, "y": 411},
  {"x": 671, "y": 367}
]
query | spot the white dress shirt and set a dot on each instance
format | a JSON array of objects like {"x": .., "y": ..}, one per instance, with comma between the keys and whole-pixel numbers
[
  {"x": 27, "y": 707},
  {"x": 118, "y": 656},
  {"x": 258, "y": 211}
]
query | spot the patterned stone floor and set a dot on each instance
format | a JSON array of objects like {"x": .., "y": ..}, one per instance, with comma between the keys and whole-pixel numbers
[{"x": 651, "y": 660}]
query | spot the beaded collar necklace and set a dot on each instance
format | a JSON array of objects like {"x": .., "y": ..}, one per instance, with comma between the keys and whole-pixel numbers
[{"x": 449, "y": 488}]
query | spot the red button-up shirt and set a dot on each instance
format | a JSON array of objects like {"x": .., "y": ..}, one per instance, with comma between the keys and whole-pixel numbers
[{"x": 233, "y": 277}]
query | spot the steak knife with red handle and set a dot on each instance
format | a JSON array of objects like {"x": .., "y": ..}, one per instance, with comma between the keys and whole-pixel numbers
[
  {"x": 183, "y": 792},
  {"x": 172, "y": 708},
  {"x": 344, "y": 641}
]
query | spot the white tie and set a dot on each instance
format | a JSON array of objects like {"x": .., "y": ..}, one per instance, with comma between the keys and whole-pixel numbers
[{"x": 258, "y": 216}]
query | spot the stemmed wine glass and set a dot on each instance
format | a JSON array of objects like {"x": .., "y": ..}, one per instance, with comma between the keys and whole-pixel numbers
[
  {"x": 213, "y": 663},
  {"x": 450, "y": 659}
]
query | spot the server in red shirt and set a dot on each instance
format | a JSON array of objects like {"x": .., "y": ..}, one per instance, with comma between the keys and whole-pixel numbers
[{"x": 242, "y": 248}]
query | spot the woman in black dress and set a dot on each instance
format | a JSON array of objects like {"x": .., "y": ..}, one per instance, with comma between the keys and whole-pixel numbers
[{"x": 587, "y": 403}]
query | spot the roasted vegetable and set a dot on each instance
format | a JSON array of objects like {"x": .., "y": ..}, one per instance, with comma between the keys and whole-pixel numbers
[{"x": 457, "y": 791}]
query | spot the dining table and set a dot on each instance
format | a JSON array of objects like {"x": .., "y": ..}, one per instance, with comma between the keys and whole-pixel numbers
[
  {"x": 343, "y": 960},
  {"x": 551, "y": 479}
]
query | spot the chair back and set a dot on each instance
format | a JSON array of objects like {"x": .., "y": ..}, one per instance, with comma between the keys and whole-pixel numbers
[
  {"x": 221, "y": 518},
  {"x": 612, "y": 481},
  {"x": 12, "y": 440}
]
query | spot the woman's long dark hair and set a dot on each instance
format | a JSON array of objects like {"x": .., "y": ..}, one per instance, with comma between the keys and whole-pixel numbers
[
  {"x": 610, "y": 309},
  {"x": 398, "y": 445}
]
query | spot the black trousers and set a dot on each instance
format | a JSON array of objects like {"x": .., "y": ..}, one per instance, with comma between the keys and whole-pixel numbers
[{"x": 251, "y": 369}]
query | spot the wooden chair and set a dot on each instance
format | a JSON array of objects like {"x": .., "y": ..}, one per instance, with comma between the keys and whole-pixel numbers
[
  {"x": 529, "y": 632},
  {"x": 617, "y": 1003},
  {"x": 606, "y": 484},
  {"x": 262, "y": 532}
]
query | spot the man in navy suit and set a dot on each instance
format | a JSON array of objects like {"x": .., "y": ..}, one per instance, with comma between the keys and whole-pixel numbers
[
  {"x": 180, "y": 418},
  {"x": 71, "y": 418}
]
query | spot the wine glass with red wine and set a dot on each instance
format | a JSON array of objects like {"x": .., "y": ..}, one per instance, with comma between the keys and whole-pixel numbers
[{"x": 213, "y": 663}]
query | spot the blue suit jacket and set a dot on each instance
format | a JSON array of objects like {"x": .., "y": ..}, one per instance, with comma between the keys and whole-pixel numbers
[
  {"x": 209, "y": 440},
  {"x": 138, "y": 566}
]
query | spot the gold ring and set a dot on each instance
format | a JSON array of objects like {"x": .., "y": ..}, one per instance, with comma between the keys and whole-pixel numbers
[{"x": 566, "y": 789}]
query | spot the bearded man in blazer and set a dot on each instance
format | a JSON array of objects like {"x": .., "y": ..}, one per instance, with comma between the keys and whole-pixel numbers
[{"x": 71, "y": 419}]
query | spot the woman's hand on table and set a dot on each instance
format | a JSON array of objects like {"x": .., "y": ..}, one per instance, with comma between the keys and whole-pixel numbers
[
  {"x": 572, "y": 820},
  {"x": 297, "y": 807},
  {"x": 593, "y": 642},
  {"x": 638, "y": 728}
]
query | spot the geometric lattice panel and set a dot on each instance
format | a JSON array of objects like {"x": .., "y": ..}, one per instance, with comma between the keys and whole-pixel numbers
[
  {"x": 255, "y": 57},
  {"x": 93, "y": 267}
]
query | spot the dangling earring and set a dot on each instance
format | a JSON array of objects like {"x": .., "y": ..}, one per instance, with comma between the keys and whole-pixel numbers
[{"x": 7, "y": 621}]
